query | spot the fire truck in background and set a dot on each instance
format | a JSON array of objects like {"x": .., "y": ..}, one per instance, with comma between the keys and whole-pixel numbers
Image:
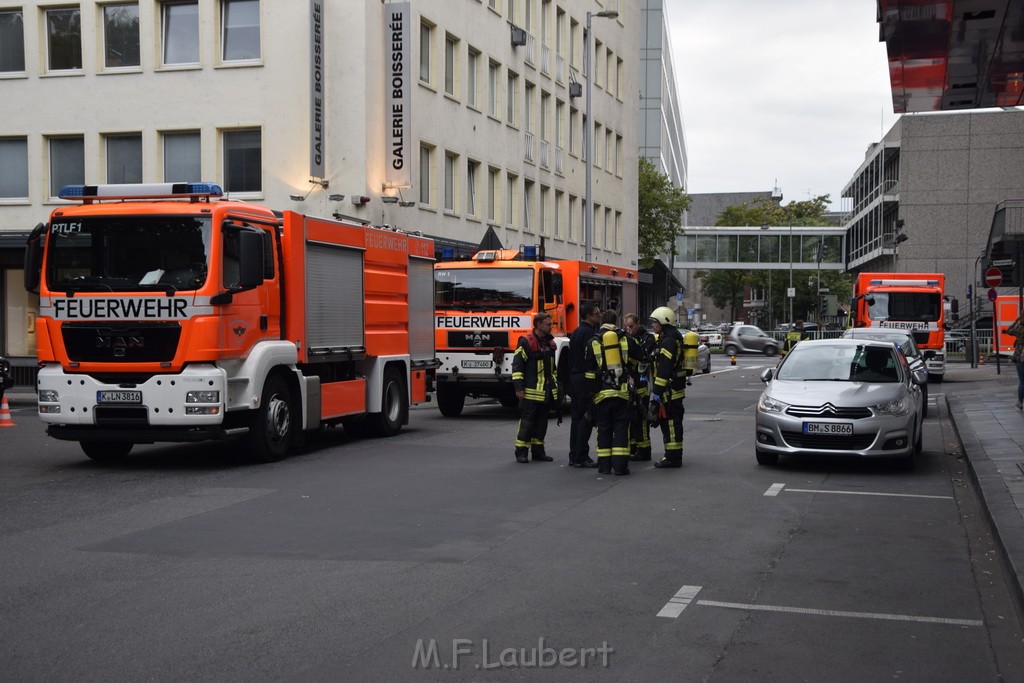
[
  {"x": 484, "y": 305},
  {"x": 914, "y": 302},
  {"x": 1006, "y": 308},
  {"x": 166, "y": 316}
]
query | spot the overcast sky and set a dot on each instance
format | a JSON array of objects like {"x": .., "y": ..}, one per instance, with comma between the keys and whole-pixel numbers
[{"x": 779, "y": 91}]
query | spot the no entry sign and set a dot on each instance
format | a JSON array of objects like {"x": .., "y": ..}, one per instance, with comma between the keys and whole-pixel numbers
[{"x": 993, "y": 277}]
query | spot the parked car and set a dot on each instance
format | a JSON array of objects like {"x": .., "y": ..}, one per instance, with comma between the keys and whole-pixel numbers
[
  {"x": 749, "y": 339},
  {"x": 711, "y": 336},
  {"x": 829, "y": 397},
  {"x": 907, "y": 345},
  {"x": 6, "y": 379}
]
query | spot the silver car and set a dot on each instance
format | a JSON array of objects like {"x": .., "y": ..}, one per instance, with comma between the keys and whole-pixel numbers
[
  {"x": 749, "y": 339},
  {"x": 907, "y": 345},
  {"x": 855, "y": 397}
]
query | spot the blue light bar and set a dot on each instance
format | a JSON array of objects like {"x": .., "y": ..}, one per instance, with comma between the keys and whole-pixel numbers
[
  {"x": 448, "y": 252},
  {"x": 530, "y": 252},
  {"x": 141, "y": 191}
]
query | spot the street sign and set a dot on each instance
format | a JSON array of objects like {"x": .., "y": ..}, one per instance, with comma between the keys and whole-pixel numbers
[
  {"x": 1003, "y": 262},
  {"x": 992, "y": 294},
  {"x": 993, "y": 277},
  {"x": 791, "y": 292}
]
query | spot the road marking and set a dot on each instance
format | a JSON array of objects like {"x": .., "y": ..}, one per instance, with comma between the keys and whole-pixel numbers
[
  {"x": 837, "y": 613},
  {"x": 774, "y": 489},
  {"x": 869, "y": 493},
  {"x": 675, "y": 606}
]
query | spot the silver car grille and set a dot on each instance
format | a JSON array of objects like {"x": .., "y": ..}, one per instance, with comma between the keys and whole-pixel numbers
[{"x": 828, "y": 411}]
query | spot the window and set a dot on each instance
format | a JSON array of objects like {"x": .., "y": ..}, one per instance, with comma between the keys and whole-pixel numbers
[
  {"x": 618, "y": 78},
  {"x": 426, "y": 154},
  {"x": 574, "y": 123},
  {"x": 13, "y": 168},
  {"x": 559, "y": 124},
  {"x": 63, "y": 39},
  {"x": 559, "y": 30},
  {"x": 180, "y": 33},
  {"x": 181, "y": 157},
  {"x": 528, "y": 108},
  {"x": 492, "y": 85},
  {"x": 542, "y": 207},
  {"x": 67, "y": 163},
  {"x": 243, "y": 161},
  {"x": 559, "y": 201},
  {"x": 124, "y": 158},
  {"x": 511, "y": 4},
  {"x": 618, "y": 154},
  {"x": 598, "y": 57},
  {"x": 121, "y": 35},
  {"x": 574, "y": 40},
  {"x": 572, "y": 218},
  {"x": 510, "y": 98},
  {"x": 450, "y": 178},
  {"x": 609, "y": 151},
  {"x": 240, "y": 27},
  {"x": 493, "y": 4},
  {"x": 596, "y": 138},
  {"x": 545, "y": 106},
  {"x": 510, "y": 199},
  {"x": 426, "y": 37},
  {"x": 450, "y": 48},
  {"x": 472, "y": 64},
  {"x": 527, "y": 205},
  {"x": 471, "y": 179},
  {"x": 493, "y": 188},
  {"x": 12, "y": 42}
]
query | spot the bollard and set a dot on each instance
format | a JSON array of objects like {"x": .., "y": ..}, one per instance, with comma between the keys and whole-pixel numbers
[{"x": 732, "y": 359}]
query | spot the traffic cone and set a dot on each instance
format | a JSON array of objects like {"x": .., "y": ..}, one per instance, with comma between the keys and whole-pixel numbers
[
  {"x": 981, "y": 359},
  {"x": 5, "y": 414},
  {"x": 732, "y": 359}
]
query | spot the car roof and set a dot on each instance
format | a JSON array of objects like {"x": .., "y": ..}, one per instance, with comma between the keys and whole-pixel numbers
[
  {"x": 874, "y": 332},
  {"x": 845, "y": 342}
]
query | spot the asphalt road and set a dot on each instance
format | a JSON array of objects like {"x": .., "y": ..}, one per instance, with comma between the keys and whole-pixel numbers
[{"x": 404, "y": 558}]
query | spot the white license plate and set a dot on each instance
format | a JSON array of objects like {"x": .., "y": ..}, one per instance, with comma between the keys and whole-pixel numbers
[
  {"x": 828, "y": 428},
  {"x": 119, "y": 397},
  {"x": 476, "y": 363}
]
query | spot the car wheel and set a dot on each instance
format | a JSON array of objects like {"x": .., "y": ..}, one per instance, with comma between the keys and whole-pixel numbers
[
  {"x": 770, "y": 350},
  {"x": 730, "y": 349},
  {"x": 765, "y": 458}
]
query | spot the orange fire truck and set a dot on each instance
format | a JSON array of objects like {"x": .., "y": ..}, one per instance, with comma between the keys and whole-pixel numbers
[
  {"x": 1006, "y": 308},
  {"x": 484, "y": 305},
  {"x": 167, "y": 316},
  {"x": 913, "y": 302}
]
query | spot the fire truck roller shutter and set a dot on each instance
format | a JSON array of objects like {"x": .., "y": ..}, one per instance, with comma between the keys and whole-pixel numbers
[
  {"x": 421, "y": 309},
  {"x": 334, "y": 296}
]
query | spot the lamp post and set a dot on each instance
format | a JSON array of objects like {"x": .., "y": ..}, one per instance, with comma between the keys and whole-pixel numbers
[
  {"x": 588, "y": 133},
  {"x": 771, "y": 323},
  {"x": 791, "y": 292}
]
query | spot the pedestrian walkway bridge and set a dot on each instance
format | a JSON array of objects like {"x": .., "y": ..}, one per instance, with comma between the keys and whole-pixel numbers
[{"x": 762, "y": 248}]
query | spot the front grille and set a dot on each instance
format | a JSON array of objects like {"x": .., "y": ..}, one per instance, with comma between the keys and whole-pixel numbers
[
  {"x": 828, "y": 411},
  {"x": 921, "y": 338},
  {"x": 856, "y": 442},
  {"x": 134, "y": 342},
  {"x": 111, "y": 416},
  {"x": 477, "y": 339}
]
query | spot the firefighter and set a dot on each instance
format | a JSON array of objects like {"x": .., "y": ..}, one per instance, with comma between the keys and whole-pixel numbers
[
  {"x": 533, "y": 377},
  {"x": 608, "y": 361},
  {"x": 580, "y": 392},
  {"x": 639, "y": 426},
  {"x": 669, "y": 385},
  {"x": 794, "y": 335}
]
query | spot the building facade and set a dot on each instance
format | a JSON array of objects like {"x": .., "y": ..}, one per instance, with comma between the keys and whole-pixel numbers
[
  {"x": 925, "y": 196},
  {"x": 449, "y": 118}
]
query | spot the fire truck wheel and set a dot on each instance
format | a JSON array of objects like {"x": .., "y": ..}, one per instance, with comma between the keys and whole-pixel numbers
[
  {"x": 450, "y": 400},
  {"x": 270, "y": 433},
  {"x": 394, "y": 405},
  {"x": 107, "y": 451}
]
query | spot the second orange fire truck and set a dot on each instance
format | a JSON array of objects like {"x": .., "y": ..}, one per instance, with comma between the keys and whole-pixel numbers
[{"x": 484, "y": 305}]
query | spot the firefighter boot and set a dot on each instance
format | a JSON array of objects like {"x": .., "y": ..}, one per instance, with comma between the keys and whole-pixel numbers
[
  {"x": 643, "y": 454},
  {"x": 540, "y": 456},
  {"x": 620, "y": 464},
  {"x": 522, "y": 455},
  {"x": 604, "y": 464},
  {"x": 674, "y": 459}
]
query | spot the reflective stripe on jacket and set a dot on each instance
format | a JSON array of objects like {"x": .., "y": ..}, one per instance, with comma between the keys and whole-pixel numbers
[{"x": 533, "y": 368}]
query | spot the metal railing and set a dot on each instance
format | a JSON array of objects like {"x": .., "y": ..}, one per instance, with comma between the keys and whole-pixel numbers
[{"x": 528, "y": 146}]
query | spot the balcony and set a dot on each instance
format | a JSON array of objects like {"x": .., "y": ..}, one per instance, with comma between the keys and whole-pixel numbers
[
  {"x": 528, "y": 147},
  {"x": 559, "y": 154},
  {"x": 530, "y": 47},
  {"x": 545, "y": 59},
  {"x": 544, "y": 144},
  {"x": 559, "y": 69}
]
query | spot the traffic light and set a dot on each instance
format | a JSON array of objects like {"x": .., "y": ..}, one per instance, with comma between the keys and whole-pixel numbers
[{"x": 823, "y": 307}]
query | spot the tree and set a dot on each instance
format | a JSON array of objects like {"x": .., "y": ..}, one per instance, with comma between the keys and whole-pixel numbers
[
  {"x": 726, "y": 287},
  {"x": 660, "y": 213}
]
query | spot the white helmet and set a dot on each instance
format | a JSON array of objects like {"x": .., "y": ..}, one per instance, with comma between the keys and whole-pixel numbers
[{"x": 664, "y": 315}]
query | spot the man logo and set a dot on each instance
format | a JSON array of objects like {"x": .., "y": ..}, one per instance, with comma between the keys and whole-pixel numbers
[
  {"x": 479, "y": 338},
  {"x": 118, "y": 344}
]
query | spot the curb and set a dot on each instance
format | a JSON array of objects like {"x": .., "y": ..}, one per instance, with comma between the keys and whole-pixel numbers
[{"x": 1000, "y": 511}]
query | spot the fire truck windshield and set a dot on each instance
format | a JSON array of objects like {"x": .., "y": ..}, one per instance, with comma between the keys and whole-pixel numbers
[
  {"x": 128, "y": 253},
  {"x": 923, "y": 306},
  {"x": 483, "y": 289}
]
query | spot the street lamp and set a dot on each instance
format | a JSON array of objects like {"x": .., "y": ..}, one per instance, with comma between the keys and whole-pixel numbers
[
  {"x": 588, "y": 134},
  {"x": 791, "y": 292},
  {"x": 771, "y": 317}
]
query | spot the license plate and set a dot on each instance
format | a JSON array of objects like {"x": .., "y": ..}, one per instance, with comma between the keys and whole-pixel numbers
[
  {"x": 119, "y": 397},
  {"x": 476, "y": 363},
  {"x": 829, "y": 428}
]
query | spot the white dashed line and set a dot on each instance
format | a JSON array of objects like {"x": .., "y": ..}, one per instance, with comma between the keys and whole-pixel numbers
[
  {"x": 679, "y": 601},
  {"x": 839, "y": 613},
  {"x": 869, "y": 493},
  {"x": 774, "y": 489}
]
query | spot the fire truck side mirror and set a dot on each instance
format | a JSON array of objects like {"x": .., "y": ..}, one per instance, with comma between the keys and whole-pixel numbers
[
  {"x": 34, "y": 258},
  {"x": 250, "y": 262},
  {"x": 557, "y": 284}
]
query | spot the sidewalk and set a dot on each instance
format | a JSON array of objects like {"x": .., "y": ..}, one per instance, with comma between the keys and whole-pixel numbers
[{"x": 991, "y": 431}]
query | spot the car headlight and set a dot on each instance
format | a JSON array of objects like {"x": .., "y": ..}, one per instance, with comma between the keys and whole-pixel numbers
[
  {"x": 767, "y": 404},
  {"x": 900, "y": 406},
  {"x": 48, "y": 396},
  {"x": 202, "y": 397}
]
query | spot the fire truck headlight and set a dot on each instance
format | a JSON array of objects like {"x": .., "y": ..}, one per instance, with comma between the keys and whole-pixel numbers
[
  {"x": 202, "y": 397},
  {"x": 48, "y": 396},
  {"x": 49, "y": 410}
]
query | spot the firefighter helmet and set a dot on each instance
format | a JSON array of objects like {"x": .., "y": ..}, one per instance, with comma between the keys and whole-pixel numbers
[{"x": 663, "y": 315}]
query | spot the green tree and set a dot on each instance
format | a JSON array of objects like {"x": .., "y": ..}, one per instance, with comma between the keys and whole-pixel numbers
[{"x": 660, "y": 213}]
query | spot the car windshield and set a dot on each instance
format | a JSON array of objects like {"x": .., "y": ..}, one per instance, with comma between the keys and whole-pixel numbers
[
  {"x": 925, "y": 306},
  {"x": 906, "y": 344},
  {"x": 130, "y": 253},
  {"x": 483, "y": 289},
  {"x": 834, "y": 363}
]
